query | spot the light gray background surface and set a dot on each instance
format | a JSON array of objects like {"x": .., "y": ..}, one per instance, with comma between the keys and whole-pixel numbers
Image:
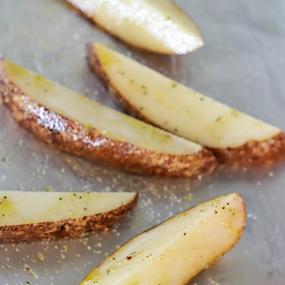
[{"x": 242, "y": 64}]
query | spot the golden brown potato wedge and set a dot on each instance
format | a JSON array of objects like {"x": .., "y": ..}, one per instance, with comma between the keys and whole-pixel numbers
[
  {"x": 238, "y": 140},
  {"x": 178, "y": 249},
  {"x": 83, "y": 127},
  {"x": 158, "y": 26},
  {"x": 28, "y": 216}
]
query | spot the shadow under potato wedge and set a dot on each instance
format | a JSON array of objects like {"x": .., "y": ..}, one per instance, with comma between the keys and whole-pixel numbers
[
  {"x": 238, "y": 140},
  {"x": 157, "y": 26},
  {"x": 175, "y": 251},
  {"x": 29, "y": 216},
  {"x": 82, "y": 126}
]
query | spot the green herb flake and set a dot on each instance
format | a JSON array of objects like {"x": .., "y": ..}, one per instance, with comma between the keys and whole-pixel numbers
[
  {"x": 88, "y": 128},
  {"x": 235, "y": 113},
  {"x": 47, "y": 189}
]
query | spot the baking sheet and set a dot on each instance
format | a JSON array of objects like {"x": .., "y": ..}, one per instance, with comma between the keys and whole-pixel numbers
[{"x": 242, "y": 64}]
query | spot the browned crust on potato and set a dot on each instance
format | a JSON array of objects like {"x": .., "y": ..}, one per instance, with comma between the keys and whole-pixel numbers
[
  {"x": 73, "y": 137},
  {"x": 146, "y": 49},
  {"x": 252, "y": 154},
  {"x": 68, "y": 228}
]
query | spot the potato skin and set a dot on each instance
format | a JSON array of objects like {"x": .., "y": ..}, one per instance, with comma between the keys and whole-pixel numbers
[
  {"x": 73, "y": 137},
  {"x": 68, "y": 228},
  {"x": 252, "y": 154}
]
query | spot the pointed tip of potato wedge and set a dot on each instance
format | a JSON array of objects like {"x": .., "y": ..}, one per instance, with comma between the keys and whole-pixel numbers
[{"x": 172, "y": 156}]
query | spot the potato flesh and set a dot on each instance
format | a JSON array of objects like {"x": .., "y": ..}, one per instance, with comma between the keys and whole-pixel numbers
[
  {"x": 158, "y": 26},
  {"x": 175, "y": 251},
  {"x": 91, "y": 114},
  {"x": 179, "y": 109},
  {"x": 23, "y": 207}
]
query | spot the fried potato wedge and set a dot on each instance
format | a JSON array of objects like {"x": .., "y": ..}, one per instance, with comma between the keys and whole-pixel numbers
[
  {"x": 84, "y": 127},
  {"x": 158, "y": 26},
  {"x": 178, "y": 249},
  {"x": 237, "y": 139},
  {"x": 29, "y": 216}
]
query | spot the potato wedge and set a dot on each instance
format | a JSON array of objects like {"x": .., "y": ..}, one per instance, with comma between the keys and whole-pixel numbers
[
  {"x": 158, "y": 26},
  {"x": 237, "y": 139},
  {"x": 84, "y": 127},
  {"x": 28, "y": 216},
  {"x": 178, "y": 249}
]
